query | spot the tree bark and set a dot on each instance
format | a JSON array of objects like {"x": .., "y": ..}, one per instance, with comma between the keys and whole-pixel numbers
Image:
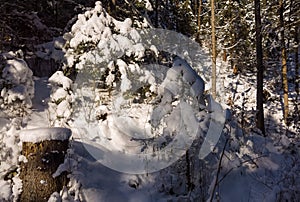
[
  {"x": 43, "y": 159},
  {"x": 224, "y": 55},
  {"x": 297, "y": 79},
  {"x": 199, "y": 22},
  {"x": 214, "y": 51},
  {"x": 260, "y": 69},
  {"x": 284, "y": 65}
]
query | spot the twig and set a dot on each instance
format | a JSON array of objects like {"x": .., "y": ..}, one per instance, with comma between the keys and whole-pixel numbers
[
  {"x": 252, "y": 160},
  {"x": 225, "y": 175},
  {"x": 231, "y": 169},
  {"x": 218, "y": 172}
]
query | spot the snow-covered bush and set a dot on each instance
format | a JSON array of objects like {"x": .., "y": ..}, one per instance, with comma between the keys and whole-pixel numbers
[
  {"x": 97, "y": 33},
  {"x": 61, "y": 98},
  {"x": 16, "y": 85},
  {"x": 9, "y": 159},
  {"x": 124, "y": 98}
]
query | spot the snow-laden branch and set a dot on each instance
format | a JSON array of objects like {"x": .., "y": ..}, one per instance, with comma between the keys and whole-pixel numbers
[{"x": 234, "y": 45}]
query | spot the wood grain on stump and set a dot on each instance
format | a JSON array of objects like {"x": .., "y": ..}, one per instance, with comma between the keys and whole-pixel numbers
[{"x": 43, "y": 159}]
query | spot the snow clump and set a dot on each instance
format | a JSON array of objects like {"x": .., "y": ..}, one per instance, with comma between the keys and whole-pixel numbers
[
  {"x": 96, "y": 36},
  {"x": 61, "y": 98},
  {"x": 16, "y": 85}
]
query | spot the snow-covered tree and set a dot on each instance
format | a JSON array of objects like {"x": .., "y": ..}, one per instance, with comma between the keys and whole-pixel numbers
[{"x": 16, "y": 85}]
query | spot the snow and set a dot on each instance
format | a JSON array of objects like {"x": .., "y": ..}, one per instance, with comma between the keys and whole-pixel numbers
[
  {"x": 138, "y": 129},
  {"x": 43, "y": 134},
  {"x": 216, "y": 126},
  {"x": 55, "y": 197},
  {"x": 18, "y": 87},
  {"x": 3, "y": 122},
  {"x": 148, "y": 6},
  {"x": 59, "y": 94},
  {"x": 61, "y": 98},
  {"x": 5, "y": 191},
  {"x": 189, "y": 76},
  {"x": 93, "y": 29},
  {"x": 124, "y": 27},
  {"x": 16, "y": 71},
  {"x": 58, "y": 78},
  {"x": 17, "y": 187},
  {"x": 125, "y": 83}
]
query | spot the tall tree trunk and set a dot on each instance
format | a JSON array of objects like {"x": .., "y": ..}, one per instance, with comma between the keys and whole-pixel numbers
[
  {"x": 284, "y": 65},
  {"x": 260, "y": 69},
  {"x": 232, "y": 40},
  {"x": 194, "y": 6},
  {"x": 214, "y": 50},
  {"x": 297, "y": 82},
  {"x": 289, "y": 25},
  {"x": 224, "y": 55},
  {"x": 199, "y": 21},
  {"x": 156, "y": 13}
]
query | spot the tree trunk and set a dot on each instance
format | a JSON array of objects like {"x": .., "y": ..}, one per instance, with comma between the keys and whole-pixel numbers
[
  {"x": 214, "y": 51},
  {"x": 199, "y": 21},
  {"x": 156, "y": 13},
  {"x": 284, "y": 66},
  {"x": 224, "y": 55},
  {"x": 297, "y": 79},
  {"x": 260, "y": 69},
  {"x": 113, "y": 6},
  {"x": 43, "y": 158}
]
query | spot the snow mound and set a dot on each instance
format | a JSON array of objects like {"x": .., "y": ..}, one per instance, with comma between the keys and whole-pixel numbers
[
  {"x": 16, "y": 85},
  {"x": 42, "y": 134}
]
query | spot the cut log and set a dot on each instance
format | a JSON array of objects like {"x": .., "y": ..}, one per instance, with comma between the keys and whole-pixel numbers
[{"x": 44, "y": 149}]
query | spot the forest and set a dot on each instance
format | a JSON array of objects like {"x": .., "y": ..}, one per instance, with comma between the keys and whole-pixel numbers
[{"x": 149, "y": 100}]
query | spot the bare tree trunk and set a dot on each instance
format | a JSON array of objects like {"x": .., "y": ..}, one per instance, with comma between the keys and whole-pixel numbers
[
  {"x": 224, "y": 55},
  {"x": 297, "y": 82},
  {"x": 260, "y": 69},
  {"x": 232, "y": 55},
  {"x": 189, "y": 182},
  {"x": 214, "y": 50},
  {"x": 111, "y": 6},
  {"x": 156, "y": 12},
  {"x": 284, "y": 66},
  {"x": 199, "y": 21}
]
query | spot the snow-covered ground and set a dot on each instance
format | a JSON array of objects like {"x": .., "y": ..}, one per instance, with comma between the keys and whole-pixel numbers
[{"x": 141, "y": 109}]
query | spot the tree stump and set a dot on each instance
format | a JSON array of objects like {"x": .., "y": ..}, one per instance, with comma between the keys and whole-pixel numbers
[{"x": 44, "y": 149}]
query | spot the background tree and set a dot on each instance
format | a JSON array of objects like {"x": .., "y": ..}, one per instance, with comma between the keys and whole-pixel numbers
[
  {"x": 199, "y": 22},
  {"x": 284, "y": 65},
  {"x": 260, "y": 69},
  {"x": 214, "y": 50}
]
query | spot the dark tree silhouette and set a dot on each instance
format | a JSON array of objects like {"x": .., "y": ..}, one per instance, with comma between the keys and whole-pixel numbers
[{"x": 260, "y": 69}]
